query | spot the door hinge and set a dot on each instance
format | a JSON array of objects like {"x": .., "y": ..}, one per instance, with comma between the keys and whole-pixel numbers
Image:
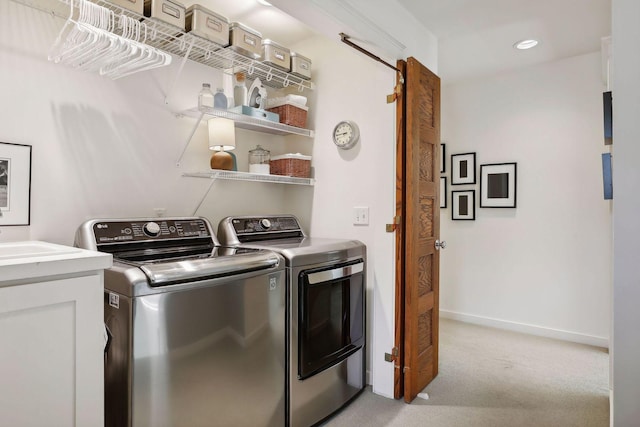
[
  {"x": 393, "y": 356},
  {"x": 397, "y": 220},
  {"x": 397, "y": 91}
]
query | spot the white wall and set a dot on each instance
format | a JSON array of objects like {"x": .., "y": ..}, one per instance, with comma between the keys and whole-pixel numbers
[
  {"x": 626, "y": 179},
  {"x": 544, "y": 267}
]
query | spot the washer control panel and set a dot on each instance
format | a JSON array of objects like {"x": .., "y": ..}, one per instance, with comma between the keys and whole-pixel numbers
[
  {"x": 160, "y": 229},
  {"x": 258, "y": 225}
]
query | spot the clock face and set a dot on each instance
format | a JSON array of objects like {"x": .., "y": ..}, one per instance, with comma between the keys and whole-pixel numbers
[{"x": 346, "y": 134}]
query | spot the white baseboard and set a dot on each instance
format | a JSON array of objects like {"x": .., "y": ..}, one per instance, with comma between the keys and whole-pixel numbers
[{"x": 527, "y": 329}]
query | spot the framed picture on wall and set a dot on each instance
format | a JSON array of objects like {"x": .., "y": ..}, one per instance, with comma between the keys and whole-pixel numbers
[
  {"x": 463, "y": 205},
  {"x": 443, "y": 155},
  {"x": 443, "y": 192},
  {"x": 463, "y": 168},
  {"x": 498, "y": 185},
  {"x": 607, "y": 182},
  {"x": 15, "y": 184}
]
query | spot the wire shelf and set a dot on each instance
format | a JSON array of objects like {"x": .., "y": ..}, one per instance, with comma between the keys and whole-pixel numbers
[
  {"x": 245, "y": 176},
  {"x": 173, "y": 40},
  {"x": 244, "y": 121}
]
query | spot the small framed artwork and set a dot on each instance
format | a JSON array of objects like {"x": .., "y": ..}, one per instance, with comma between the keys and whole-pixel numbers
[
  {"x": 607, "y": 182},
  {"x": 463, "y": 168},
  {"x": 15, "y": 184},
  {"x": 463, "y": 205},
  {"x": 443, "y": 157},
  {"x": 498, "y": 185},
  {"x": 443, "y": 192}
]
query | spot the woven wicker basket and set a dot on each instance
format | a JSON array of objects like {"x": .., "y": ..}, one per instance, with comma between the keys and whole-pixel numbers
[
  {"x": 294, "y": 165},
  {"x": 291, "y": 115}
]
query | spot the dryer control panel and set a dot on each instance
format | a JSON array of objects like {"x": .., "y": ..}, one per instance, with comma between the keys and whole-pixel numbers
[
  {"x": 243, "y": 229},
  {"x": 265, "y": 224}
]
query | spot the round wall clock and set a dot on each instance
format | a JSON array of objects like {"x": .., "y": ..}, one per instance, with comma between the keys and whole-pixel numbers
[{"x": 346, "y": 134}]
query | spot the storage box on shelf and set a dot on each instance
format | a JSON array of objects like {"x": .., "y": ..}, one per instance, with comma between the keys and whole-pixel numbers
[
  {"x": 276, "y": 55},
  {"x": 300, "y": 66},
  {"x": 244, "y": 40},
  {"x": 291, "y": 115},
  {"x": 207, "y": 24},
  {"x": 168, "y": 11},
  {"x": 136, "y": 6},
  {"x": 295, "y": 165}
]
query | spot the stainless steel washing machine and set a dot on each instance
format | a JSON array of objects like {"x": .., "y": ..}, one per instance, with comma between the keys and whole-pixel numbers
[
  {"x": 326, "y": 312},
  {"x": 197, "y": 330}
]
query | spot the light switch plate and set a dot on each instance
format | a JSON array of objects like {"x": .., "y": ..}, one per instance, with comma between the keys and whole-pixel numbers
[{"x": 361, "y": 215}]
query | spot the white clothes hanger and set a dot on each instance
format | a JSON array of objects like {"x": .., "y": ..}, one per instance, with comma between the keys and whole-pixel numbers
[{"x": 93, "y": 42}]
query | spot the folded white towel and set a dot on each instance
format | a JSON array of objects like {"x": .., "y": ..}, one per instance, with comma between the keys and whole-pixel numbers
[{"x": 297, "y": 100}]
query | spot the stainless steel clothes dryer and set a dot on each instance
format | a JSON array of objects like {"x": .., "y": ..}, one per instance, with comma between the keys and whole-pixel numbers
[
  {"x": 326, "y": 312},
  {"x": 197, "y": 331}
]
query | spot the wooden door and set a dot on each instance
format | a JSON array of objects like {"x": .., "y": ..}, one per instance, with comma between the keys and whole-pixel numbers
[{"x": 418, "y": 206}]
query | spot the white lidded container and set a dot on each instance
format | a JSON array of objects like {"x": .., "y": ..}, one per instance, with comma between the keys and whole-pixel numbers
[
  {"x": 133, "y": 5},
  {"x": 169, "y": 11},
  {"x": 207, "y": 24},
  {"x": 276, "y": 55},
  {"x": 300, "y": 66},
  {"x": 244, "y": 40}
]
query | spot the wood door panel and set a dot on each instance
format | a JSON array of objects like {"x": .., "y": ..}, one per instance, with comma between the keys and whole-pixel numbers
[
  {"x": 420, "y": 206},
  {"x": 425, "y": 211},
  {"x": 425, "y": 168},
  {"x": 425, "y": 282}
]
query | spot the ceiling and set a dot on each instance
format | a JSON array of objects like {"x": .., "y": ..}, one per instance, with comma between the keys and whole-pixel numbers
[{"x": 475, "y": 37}]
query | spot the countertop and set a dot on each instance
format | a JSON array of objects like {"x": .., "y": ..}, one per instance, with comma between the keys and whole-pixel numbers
[{"x": 34, "y": 260}]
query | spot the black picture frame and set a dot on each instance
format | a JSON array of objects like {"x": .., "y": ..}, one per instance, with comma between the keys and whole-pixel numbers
[
  {"x": 443, "y": 157},
  {"x": 463, "y": 205},
  {"x": 607, "y": 180},
  {"x": 463, "y": 169},
  {"x": 498, "y": 185},
  {"x": 15, "y": 184},
  {"x": 608, "y": 117},
  {"x": 443, "y": 192}
]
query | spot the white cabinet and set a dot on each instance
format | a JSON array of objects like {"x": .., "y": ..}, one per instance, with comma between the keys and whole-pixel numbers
[{"x": 51, "y": 327}]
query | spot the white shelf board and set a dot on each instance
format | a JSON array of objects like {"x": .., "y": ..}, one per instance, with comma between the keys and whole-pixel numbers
[
  {"x": 251, "y": 123},
  {"x": 245, "y": 176}
]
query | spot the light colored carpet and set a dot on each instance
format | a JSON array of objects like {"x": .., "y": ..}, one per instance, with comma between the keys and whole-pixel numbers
[{"x": 493, "y": 378}]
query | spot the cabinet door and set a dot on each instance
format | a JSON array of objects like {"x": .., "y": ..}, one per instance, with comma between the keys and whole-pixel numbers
[{"x": 51, "y": 355}]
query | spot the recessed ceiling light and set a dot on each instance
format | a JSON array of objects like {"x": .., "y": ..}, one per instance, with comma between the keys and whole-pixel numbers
[
  {"x": 264, "y": 2},
  {"x": 526, "y": 44}
]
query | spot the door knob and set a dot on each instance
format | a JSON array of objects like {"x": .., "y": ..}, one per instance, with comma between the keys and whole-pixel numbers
[{"x": 441, "y": 244}]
